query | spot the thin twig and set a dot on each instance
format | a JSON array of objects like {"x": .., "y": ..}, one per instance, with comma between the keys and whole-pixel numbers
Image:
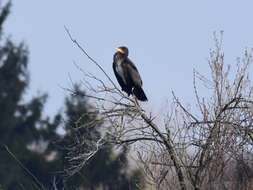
[{"x": 37, "y": 182}]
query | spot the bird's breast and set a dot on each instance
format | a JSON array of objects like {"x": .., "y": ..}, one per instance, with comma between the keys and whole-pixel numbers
[{"x": 120, "y": 69}]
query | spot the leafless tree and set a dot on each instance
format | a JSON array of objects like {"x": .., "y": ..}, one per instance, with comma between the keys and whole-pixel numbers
[
  {"x": 217, "y": 136},
  {"x": 193, "y": 149}
]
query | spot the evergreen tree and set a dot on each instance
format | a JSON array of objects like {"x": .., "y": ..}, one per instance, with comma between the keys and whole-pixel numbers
[
  {"x": 106, "y": 169},
  {"x": 21, "y": 123},
  {"x": 33, "y": 139}
]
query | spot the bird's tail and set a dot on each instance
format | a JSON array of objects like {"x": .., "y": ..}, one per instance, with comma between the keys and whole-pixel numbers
[{"x": 139, "y": 93}]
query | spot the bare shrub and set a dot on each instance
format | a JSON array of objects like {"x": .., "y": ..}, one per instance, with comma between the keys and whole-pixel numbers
[{"x": 209, "y": 147}]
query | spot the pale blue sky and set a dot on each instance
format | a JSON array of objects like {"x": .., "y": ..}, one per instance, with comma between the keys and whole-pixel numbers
[{"x": 166, "y": 39}]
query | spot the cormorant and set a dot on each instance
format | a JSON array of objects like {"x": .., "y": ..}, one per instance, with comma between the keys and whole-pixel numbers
[{"x": 127, "y": 74}]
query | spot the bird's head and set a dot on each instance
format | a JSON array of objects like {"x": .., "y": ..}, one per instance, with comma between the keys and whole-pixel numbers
[{"x": 122, "y": 51}]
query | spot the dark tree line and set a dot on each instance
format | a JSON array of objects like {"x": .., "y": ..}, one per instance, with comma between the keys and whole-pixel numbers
[{"x": 33, "y": 138}]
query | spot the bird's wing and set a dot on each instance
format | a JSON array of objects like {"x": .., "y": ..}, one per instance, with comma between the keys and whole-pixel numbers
[{"x": 133, "y": 73}]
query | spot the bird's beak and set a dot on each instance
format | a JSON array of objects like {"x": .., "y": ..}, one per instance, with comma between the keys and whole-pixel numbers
[{"x": 120, "y": 50}]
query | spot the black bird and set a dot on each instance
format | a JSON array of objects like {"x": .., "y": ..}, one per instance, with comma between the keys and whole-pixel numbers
[{"x": 127, "y": 74}]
